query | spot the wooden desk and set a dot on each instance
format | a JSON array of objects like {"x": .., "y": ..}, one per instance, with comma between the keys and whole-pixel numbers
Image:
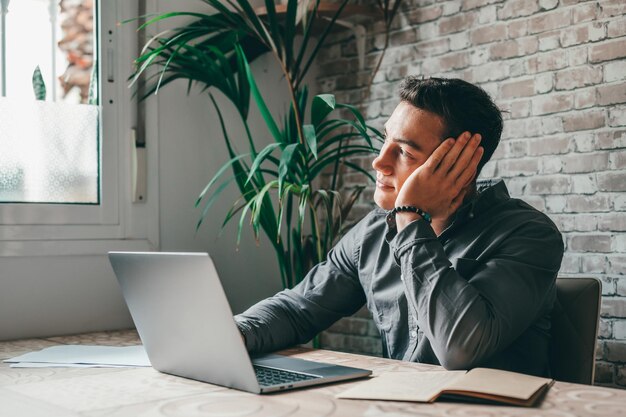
[{"x": 144, "y": 392}]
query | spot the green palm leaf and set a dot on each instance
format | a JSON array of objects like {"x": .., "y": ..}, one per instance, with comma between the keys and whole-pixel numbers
[
  {"x": 322, "y": 106},
  {"x": 258, "y": 98},
  {"x": 311, "y": 139},
  {"x": 260, "y": 159}
]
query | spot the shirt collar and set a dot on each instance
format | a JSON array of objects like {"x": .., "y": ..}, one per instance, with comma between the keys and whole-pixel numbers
[{"x": 488, "y": 193}]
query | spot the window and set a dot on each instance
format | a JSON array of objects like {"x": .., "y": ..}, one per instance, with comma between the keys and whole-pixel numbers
[
  {"x": 48, "y": 110},
  {"x": 65, "y": 159}
]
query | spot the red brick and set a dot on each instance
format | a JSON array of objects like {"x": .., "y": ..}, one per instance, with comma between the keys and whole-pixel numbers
[
  {"x": 514, "y": 48},
  {"x": 617, "y": 264},
  {"x": 613, "y": 222},
  {"x": 577, "y": 163},
  {"x": 617, "y": 116},
  {"x": 518, "y": 167},
  {"x": 585, "y": 204},
  {"x": 611, "y": 350},
  {"x": 590, "y": 243},
  {"x": 617, "y": 160},
  {"x": 493, "y": 71},
  {"x": 612, "y": 94},
  {"x": 459, "y": 41},
  {"x": 549, "y": 146},
  {"x": 450, "y": 7},
  {"x": 583, "y": 184},
  {"x": 604, "y": 373},
  {"x": 403, "y": 38},
  {"x": 574, "y": 36},
  {"x": 610, "y": 8},
  {"x": 516, "y": 148},
  {"x": 518, "y": 8},
  {"x": 488, "y": 34},
  {"x": 549, "y": 61},
  {"x": 612, "y": 181},
  {"x": 456, "y": 23},
  {"x": 549, "y": 185},
  {"x": 570, "y": 263},
  {"x": 474, "y": 4},
  {"x": 585, "y": 12},
  {"x": 583, "y": 120},
  {"x": 614, "y": 307},
  {"x": 577, "y": 56},
  {"x": 435, "y": 47},
  {"x": 585, "y": 98},
  {"x": 548, "y": 21},
  {"x": 621, "y": 286},
  {"x": 548, "y": 40},
  {"x": 553, "y": 103},
  {"x": 457, "y": 60},
  {"x": 571, "y": 78},
  {"x": 518, "y": 28},
  {"x": 520, "y": 108},
  {"x": 594, "y": 263},
  {"x": 340, "y": 66},
  {"x": 606, "y": 329},
  {"x": 423, "y": 14},
  {"x": 607, "y": 51},
  {"x": 617, "y": 28},
  {"x": 611, "y": 140},
  {"x": 516, "y": 89},
  {"x": 620, "y": 376}
]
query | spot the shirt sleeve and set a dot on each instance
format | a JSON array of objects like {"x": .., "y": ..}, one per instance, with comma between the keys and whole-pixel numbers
[
  {"x": 467, "y": 319},
  {"x": 329, "y": 291}
]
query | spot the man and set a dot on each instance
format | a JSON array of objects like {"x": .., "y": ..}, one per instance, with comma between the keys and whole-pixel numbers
[{"x": 454, "y": 272}]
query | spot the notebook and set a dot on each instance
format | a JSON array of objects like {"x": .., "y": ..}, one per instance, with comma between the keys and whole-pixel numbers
[
  {"x": 487, "y": 385},
  {"x": 187, "y": 327}
]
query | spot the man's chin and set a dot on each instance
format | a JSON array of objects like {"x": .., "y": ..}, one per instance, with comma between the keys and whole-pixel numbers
[{"x": 383, "y": 201}]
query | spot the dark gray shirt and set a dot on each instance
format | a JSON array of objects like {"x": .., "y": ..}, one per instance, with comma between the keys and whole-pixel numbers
[{"x": 480, "y": 294}]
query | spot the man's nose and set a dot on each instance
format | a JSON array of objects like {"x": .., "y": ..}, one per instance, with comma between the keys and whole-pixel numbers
[{"x": 381, "y": 163}]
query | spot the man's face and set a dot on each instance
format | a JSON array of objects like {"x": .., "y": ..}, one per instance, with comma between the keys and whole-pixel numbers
[{"x": 411, "y": 135}]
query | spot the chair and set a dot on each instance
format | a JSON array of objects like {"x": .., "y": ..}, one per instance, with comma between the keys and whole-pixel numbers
[{"x": 575, "y": 321}]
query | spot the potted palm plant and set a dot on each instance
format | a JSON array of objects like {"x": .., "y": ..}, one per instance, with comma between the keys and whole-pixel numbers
[{"x": 281, "y": 192}]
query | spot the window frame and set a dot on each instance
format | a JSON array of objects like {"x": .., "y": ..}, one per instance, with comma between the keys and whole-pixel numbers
[{"x": 37, "y": 228}]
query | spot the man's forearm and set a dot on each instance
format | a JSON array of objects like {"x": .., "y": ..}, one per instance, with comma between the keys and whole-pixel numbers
[{"x": 467, "y": 319}]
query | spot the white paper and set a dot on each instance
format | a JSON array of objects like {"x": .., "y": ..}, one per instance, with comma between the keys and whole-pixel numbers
[
  {"x": 86, "y": 355},
  {"x": 63, "y": 365}
]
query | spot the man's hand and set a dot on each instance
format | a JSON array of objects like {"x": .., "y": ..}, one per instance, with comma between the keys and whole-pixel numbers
[{"x": 439, "y": 186}]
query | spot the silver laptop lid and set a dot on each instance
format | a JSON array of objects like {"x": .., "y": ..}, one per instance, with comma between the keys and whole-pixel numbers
[{"x": 183, "y": 317}]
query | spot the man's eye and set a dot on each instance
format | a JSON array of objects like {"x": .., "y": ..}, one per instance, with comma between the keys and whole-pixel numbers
[{"x": 404, "y": 153}]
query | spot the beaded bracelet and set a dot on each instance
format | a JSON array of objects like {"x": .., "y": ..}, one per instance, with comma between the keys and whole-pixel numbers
[{"x": 411, "y": 209}]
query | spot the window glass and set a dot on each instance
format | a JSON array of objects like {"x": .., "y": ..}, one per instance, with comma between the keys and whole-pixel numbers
[{"x": 49, "y": 115}]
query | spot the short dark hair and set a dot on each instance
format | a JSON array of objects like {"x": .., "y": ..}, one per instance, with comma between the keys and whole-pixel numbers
[{"x": 461, "y": 105}]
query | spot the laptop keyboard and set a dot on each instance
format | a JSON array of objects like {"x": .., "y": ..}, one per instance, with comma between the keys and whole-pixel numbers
[{"x": 271, "y": 376}]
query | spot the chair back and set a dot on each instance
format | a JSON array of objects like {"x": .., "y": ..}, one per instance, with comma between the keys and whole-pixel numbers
[{"x": 575, "y": 325}]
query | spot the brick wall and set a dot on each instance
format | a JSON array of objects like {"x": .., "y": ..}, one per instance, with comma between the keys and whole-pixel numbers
[{"x": 558, "y": 67}]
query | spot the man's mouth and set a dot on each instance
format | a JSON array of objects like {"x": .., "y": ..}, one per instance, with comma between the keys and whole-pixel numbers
[{"x": 383, "y": 185}]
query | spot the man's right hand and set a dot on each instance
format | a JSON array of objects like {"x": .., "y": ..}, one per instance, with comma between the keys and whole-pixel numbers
[{"x": 440, "y": 184}]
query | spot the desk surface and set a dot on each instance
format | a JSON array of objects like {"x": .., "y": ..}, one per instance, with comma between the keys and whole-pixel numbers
[{"x": 144, "y": 392}]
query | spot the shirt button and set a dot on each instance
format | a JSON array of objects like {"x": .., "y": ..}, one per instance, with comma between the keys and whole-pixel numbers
[
  {"x": 413, "y": 334},
  {"x": 471, "y": 215}
]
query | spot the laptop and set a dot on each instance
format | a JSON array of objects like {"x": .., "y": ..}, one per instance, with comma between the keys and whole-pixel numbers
[{"x": 187, "y": 327}]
